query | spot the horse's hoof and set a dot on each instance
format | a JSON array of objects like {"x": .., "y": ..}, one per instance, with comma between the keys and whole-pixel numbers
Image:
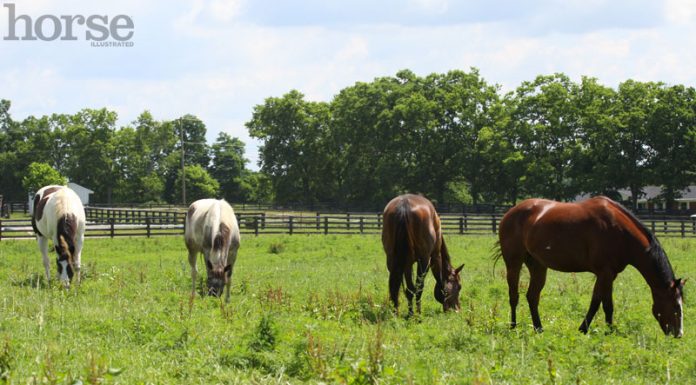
[
  {"x": 513, "y": 325},
  {"x": 539, "y": 329},
  {"x": 583, "y": 329}
]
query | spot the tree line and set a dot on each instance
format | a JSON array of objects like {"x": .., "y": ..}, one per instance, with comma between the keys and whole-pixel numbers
[
  {"x": 457, "y": 138},
  {"x": 453, "y": 136},
  {"x": 138, "y": 163}
]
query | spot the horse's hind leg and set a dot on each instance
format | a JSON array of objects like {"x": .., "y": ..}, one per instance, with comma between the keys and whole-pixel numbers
[
  {"x": 395, "y": 277},
  {"x": 410, "y": 289},
  {"x": 537, "y": 280},
  {"x": 513, "y": 267}
]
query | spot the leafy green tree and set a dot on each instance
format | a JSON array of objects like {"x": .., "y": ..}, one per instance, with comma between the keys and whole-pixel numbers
[
  {"x": 228, "y": 167},
  {"x": 370, "y": 145},
  {"x": 199, "y": 184},
  {"x": 597, "y": 108},
  {"x": 547, "y": 127},
  {"x": 293, "y": 153},
  {"x": 39, "y": 175},
  {"x": 636, "y": 103},
  {"x": 91, "y": 153},
  {"x": 672, "y": 138}
]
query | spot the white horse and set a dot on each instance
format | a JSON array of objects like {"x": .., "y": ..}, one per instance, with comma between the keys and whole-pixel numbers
[
  {"x": 59, "y": 215},
  {"x": 211, "y": 228}
]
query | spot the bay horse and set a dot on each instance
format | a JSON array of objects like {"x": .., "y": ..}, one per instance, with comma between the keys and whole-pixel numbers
[
  {"x": 211, "y": 229},
  {"x": 597, "y": 235},
  {"x": 411, "y": 234},
  {"x": 58, "y": 215}
]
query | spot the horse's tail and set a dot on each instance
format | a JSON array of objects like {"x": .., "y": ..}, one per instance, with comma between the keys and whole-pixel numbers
[
  {"x": 67, "y": 231},
  {"x": 220, "y": 232},
  {"x": 405, "y": 246}
]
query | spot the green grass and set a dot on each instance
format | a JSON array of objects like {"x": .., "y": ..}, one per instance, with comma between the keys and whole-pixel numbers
[{"x": 309, "y": 309}]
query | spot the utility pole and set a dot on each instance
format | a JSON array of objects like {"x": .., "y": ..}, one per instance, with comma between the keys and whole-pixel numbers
[{"x": 183, "y": 167}]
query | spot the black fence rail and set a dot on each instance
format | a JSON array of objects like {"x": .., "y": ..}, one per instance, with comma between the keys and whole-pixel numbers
[{"x": 148, "y": 223}]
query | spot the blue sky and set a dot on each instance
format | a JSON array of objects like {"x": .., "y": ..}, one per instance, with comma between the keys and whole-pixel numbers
[{"x": 218, "y": 58}]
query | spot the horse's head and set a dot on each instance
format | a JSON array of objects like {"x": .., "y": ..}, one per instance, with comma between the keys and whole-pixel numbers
[
  {"x": 667, "y": 308},
  {"x": 218, "y": 277},
  {"x": 66, "y": 269},
  {"x": 447, "y": 291}
]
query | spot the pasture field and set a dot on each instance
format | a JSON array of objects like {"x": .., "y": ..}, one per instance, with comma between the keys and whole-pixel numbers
[{"x": 313, "y": 309}]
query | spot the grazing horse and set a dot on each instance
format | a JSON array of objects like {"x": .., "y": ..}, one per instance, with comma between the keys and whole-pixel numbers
[
  {"x": 211, "y": 228},
  {"x": 411, "y": 233},
  {"x": 597, "y": 235},
  {"x": 59, "y": 215}
]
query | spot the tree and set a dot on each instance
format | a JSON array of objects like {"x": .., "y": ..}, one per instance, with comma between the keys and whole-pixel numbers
[
  {"x": 39, "y": 175},
  {"x": 199, "y": 184},
  {"x": 91, "y": 152},
  {"x": 547, "y": 127},
  {"x": 672, "y": 138},
  {"x": 228, "y": 166},
  {"x": 631, "y": 155},
  {"x": 294, "y": 153}
]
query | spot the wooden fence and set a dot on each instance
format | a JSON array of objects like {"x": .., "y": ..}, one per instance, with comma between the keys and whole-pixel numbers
[{"x": 107, "y": 222}]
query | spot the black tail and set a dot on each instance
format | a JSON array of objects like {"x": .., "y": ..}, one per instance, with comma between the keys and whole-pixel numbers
[{"x": 403, "y": 242}]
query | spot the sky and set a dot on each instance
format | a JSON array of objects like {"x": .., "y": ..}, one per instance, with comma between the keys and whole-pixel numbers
[{"x": 217, "y": 59}]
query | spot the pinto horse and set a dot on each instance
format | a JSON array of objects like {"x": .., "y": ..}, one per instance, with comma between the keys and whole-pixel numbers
[
  {"x": 411, "y": 233},
  {"x": 211, "y": 229},
  {"x": 59, "y": 215},
  {"x": 597, "y": 235}
]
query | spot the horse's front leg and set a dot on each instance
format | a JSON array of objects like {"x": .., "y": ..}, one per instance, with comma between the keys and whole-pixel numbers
[
  {"x": 77, "y": 259},
  {"x": 602, "y": 293},
  {"x": 420, "y": 282},
  {"x": 192, "y": 255},
  {"x": 43, "y": 247}
]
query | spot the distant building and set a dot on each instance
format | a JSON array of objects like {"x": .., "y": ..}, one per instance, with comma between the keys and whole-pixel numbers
[
  {"x": 650, "y": 200},
  {"x": 82, "y": 192}
]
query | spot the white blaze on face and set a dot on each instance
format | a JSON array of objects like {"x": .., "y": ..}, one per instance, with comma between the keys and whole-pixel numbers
[
  {"x": 64, "y": 272},
  {"x": 681, "y": 318}
]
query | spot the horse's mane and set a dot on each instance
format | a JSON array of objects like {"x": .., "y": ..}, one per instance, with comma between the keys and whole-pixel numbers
[{"x": 655, "y": 251}]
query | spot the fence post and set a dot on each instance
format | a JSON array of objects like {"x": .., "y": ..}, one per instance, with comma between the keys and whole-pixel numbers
[
  {"x": 147, "y": 223},
  {"x": 111, "y": 222},
  {"x": 379, "y": 221},
  {"x": 347, "y": 220},
  {"x": 0, "y": 229},
  {"x": 493, "y": 223},
  {"x": 326, "y": 226},
  {"x": 362, "y": 224},
  {"x": 461, "y": 225},
  {"x": 683, "y": 229},
  {"x": 290, "y": 224},
  {"x": 318, "y": 221},
  {"x": 256, "y": 226}
]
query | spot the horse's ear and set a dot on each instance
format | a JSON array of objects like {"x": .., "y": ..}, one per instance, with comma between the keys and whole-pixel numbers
[
  {"x": 682, "y": 281},
  {"x": 459, "y": 269}
]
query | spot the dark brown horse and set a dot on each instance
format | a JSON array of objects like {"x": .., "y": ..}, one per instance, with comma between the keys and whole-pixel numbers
[
  {"x": 597, "y": 235},
  {"x": 411, "y": 234}
]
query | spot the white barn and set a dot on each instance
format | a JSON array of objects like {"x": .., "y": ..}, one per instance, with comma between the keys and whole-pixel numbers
[{"x": 82, "y": 192}]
